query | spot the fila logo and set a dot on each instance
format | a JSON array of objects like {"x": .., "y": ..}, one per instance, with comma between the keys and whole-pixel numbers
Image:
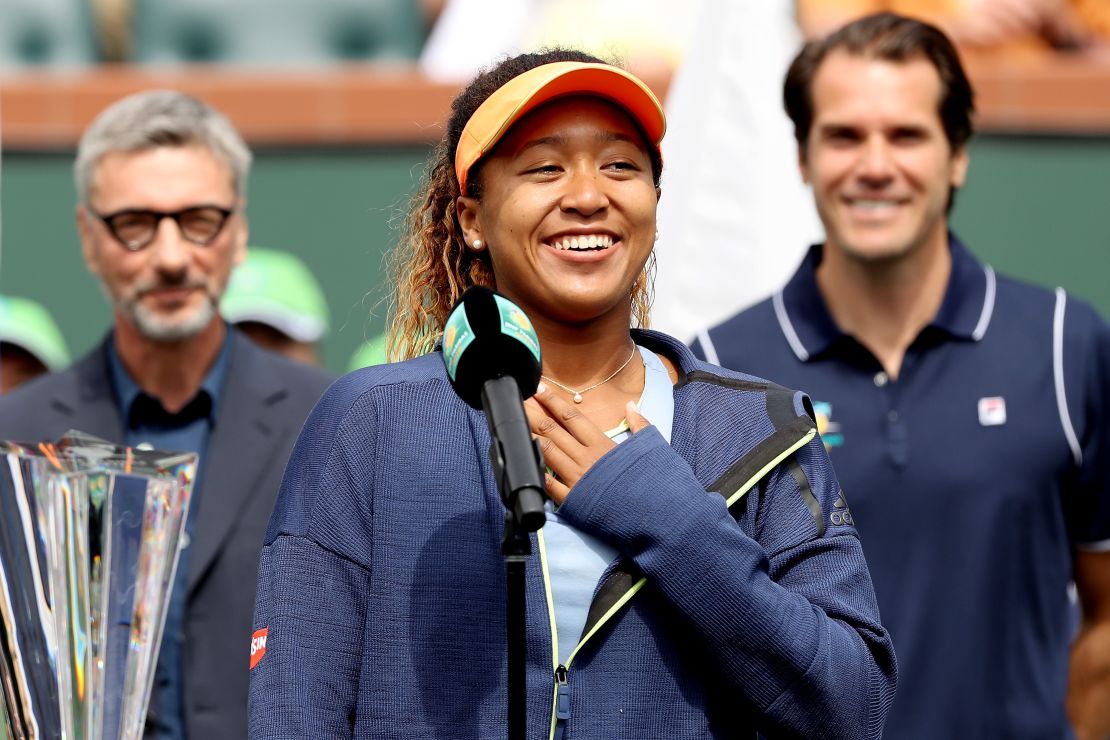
[
  {"x": 992, "y": 411},
  {"x": 258, "y": 645}
]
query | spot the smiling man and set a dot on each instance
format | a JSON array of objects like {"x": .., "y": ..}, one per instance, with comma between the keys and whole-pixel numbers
[
  {"x": 161, "y": 181},
  {"x": 967, "y": 414}
]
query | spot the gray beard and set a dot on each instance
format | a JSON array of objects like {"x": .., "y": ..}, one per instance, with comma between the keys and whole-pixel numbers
[{"x": 159, "y": 328}]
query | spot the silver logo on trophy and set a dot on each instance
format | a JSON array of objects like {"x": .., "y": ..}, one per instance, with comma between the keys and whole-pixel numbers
[{"x": 89, "y": 538}]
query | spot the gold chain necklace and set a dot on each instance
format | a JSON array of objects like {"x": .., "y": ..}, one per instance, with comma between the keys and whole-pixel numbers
[{"x": 578, "y": 394}]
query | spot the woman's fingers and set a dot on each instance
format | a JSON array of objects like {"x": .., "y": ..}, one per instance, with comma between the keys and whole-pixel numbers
[
  {"x": 546, "y": 427},
  {"x": 636, "y": 420},
  {"x": 567, "y": 415},
  {"x": 570, "y": 442},
  {"x": 556, "y": 445},
  {"x": 556, "y": 489}
]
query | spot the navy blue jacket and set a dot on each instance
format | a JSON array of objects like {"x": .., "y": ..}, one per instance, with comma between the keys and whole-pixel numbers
[{"x": 739, "y": 603}]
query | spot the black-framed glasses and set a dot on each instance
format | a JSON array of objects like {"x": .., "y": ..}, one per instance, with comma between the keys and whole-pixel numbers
[{"x": 135, "y": 228}]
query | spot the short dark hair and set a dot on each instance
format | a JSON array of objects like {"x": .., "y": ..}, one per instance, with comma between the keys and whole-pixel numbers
[{"x": 887, "y": 37}]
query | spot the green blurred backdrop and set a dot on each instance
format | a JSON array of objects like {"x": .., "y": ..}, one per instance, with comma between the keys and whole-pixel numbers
[
  {"x": 1037, "y": 207},
  {"x": 340, "y": 210}
]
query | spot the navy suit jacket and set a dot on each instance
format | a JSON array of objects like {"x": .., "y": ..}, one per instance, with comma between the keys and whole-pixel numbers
[{"x": 263, "y": 405}]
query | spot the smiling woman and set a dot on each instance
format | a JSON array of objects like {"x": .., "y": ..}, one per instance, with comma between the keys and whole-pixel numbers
[
  {"x": 567, "y": 215},
  {"x": 688, "y": 582}
]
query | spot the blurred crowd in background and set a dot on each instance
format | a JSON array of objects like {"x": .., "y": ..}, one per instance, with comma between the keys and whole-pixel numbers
[
  {"x": 275, "y": 296},
  {"x": 442, "y": 34}
]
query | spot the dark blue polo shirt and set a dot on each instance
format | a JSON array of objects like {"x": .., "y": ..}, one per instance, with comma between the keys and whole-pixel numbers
[
  {"x": 970, "y": 479},
  {"x": 145, "y": 420}
]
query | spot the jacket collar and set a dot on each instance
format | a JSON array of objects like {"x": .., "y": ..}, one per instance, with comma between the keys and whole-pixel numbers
[
  {"x": 127, "y": 391},
  {"x": 965, "y": 312},
  {"x": 664, "y": 344}
]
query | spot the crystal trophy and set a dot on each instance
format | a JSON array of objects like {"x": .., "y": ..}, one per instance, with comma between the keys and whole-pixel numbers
[{"x": 89, "y": 539}]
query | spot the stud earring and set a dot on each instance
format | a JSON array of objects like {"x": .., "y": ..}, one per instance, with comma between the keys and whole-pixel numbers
[{"x": 477, "y": 245}]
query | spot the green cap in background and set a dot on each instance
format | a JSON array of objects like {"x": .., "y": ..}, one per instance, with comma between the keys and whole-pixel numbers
[
  {"x": 28, "y": 325},
  {"x": 277, "y": 289},
  {"x": 370, "y": 352}
]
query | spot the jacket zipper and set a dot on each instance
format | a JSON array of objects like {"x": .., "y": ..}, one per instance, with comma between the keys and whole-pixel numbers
[
  {"x": 560, "y": 713},
  {"x": 562, "y": 701}
]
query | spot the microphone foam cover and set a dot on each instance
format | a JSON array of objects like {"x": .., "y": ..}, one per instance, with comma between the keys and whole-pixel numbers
[{"x": 488, "y": 336}]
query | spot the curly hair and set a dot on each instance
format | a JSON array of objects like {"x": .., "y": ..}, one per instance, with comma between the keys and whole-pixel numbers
[{"x": 432, "y": 266}]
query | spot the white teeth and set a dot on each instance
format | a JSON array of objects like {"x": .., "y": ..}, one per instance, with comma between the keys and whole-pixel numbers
[
  {"x": 874, "y": 203},
  {"x": 583, "y": 242}
]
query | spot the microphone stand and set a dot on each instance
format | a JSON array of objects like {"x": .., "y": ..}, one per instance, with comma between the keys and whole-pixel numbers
[{"x": 518, "y": 466}]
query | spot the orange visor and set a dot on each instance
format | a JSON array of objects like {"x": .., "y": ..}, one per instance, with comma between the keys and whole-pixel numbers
[{"x": 537, "y": 86}]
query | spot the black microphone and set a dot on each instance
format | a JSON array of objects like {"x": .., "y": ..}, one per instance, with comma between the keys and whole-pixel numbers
[{"x": 492, "y": 356}]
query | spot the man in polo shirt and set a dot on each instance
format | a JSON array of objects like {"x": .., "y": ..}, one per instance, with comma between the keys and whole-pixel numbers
[
  {"x": 161, "y": 180},
  {"x": 967, "y": 414}
]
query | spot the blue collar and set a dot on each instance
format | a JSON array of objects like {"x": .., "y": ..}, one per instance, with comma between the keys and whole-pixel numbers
[
  {"x": 128, "y": 391},
  {"x": 656, "y": 402},
  {"x": 965, "y": 312}
]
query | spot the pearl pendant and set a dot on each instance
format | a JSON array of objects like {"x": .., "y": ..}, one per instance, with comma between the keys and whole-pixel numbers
[{"x": 578, "y": 398}]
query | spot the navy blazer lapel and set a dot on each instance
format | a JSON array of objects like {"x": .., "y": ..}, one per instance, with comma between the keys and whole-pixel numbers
[
  {"x": 89, "y": 405},
  {"x": 243, "y": 446}
]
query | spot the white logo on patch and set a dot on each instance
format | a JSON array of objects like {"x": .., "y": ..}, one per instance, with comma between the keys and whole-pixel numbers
[{"x": 992, "y": 411}]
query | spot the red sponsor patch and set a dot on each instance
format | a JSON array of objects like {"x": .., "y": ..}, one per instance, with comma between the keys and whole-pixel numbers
[{"x": 258, "y": 645}]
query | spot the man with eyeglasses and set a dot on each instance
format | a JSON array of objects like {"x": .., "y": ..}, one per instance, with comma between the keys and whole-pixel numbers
[{"x": 161, "y": 183}]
